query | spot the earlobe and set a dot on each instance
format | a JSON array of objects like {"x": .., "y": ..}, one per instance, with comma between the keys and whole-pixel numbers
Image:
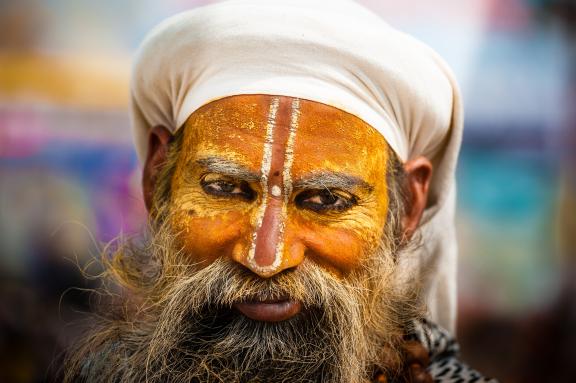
[
  {"x": 418, "y": 176},
  {"x": 158, "y": 141}
]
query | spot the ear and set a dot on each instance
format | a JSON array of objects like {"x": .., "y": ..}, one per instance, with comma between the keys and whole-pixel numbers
[
  {"x": 419, "y": 173},
  {"x": 158, "y": 141}
]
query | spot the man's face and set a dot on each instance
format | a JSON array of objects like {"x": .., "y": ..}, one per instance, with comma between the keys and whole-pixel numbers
[
  {"x": 273, "y": 260},
  {"x": 269, "y": 181}
]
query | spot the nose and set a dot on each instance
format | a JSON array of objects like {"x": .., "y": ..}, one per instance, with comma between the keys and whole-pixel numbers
[
  {"x": 271, "y": 250},
  {"x": 269, "y": 253}
]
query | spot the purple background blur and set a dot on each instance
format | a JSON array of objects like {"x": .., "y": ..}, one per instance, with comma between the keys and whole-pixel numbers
[{"x": 69, "y": 177}]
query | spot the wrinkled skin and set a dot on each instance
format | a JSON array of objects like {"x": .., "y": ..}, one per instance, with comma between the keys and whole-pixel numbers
[
  {"x": 330, "y": 148},
  {"x": 313, "y": 186},
  {"x": 330, "y": 222}
]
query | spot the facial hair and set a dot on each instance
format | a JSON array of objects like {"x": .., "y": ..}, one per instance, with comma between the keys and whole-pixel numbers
[{"x": 176, "y": 323}]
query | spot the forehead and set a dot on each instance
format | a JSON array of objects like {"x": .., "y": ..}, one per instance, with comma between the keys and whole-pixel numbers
[{"x": 325, "y": 137}]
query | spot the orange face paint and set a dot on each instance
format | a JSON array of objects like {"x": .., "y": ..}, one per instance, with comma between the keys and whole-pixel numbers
[{"x": 270, "y": 180}]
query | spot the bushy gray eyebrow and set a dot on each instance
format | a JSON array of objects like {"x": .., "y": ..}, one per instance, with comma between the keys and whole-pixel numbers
[
  {"x": 228, "y": 168},
  {"x": 332, "y": 180},
  {"x": 317, "y": 180}
]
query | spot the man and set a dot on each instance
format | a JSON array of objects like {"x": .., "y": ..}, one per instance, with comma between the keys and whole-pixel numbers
[{"x": 298, "y": 231}]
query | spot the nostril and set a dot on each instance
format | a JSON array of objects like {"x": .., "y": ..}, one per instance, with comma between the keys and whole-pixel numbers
[{"x": 244, "y": 270}]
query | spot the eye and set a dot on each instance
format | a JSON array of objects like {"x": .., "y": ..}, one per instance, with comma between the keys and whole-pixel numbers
[
  {"x": 325, "y": 200},
  {"x": 227, "y": 187}
]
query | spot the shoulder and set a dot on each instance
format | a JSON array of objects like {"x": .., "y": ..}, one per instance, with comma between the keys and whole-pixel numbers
[{"x": 443, "y": 350}]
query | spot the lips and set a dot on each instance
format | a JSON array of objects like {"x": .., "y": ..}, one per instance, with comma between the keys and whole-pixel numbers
[{"x": 269, "y": 310}]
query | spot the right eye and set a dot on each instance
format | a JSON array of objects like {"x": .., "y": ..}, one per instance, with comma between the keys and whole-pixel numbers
[{"x": 227, "y": 187}]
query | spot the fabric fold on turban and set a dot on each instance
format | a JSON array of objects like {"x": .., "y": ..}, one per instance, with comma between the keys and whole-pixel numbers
[{"x": 331, "y": 51}]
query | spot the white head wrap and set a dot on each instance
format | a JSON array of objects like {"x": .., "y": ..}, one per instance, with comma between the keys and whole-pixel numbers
[{"x": 331, "y": 51}]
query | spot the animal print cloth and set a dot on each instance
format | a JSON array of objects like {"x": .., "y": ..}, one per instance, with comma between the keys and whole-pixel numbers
[{"x": 443, "y": 351}]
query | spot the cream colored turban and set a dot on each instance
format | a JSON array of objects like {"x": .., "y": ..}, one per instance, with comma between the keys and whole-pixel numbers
[{"x": 331, "y": 51}]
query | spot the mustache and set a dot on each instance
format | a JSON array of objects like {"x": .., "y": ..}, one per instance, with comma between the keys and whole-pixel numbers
[{"x": 223, "y": 283}]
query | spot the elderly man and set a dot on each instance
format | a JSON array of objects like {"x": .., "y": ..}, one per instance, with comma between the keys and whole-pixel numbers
[{"x": 299, "y": 164}]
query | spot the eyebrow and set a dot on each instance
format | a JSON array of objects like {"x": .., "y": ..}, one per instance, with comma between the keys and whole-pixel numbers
[
  {"x": 228, "y": 168},
  {"x": 332, "y": 180}
]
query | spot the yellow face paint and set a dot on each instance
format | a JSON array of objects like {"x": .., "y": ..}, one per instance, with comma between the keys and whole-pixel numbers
[{"x": 270, "y": 180}]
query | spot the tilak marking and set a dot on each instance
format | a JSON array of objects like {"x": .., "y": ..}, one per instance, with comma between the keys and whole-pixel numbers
[
  {"x": 267, "y": 246},
  {"x": 264, "y": 170},
  {"x": 287, "y": 174}
]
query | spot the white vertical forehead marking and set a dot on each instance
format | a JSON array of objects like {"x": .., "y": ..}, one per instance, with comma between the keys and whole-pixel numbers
[
  {"x": 287, "y": 176},
  {"x": 289, "y": 157},
  {"x": 264, "y": 172}
]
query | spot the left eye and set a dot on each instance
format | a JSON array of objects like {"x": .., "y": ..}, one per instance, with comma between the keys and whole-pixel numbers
[
  {"x": 228, "y": 188},
  {"x": 325, "y": 200}
]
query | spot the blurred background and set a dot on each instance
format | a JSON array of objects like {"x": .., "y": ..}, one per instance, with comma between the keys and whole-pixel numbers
[{"x": 69, "y": 177}]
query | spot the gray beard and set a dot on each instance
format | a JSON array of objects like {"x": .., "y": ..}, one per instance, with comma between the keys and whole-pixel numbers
[
  {"x": 180, "y": 325},
  {"x": 222, "y": 345}
]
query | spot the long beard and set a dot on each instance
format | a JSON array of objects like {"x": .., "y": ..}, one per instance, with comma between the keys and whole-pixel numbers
[{"x": 178, "y": 323}]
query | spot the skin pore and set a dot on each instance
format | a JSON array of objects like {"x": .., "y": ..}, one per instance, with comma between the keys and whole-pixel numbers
[{"x": 238, "y": 272}]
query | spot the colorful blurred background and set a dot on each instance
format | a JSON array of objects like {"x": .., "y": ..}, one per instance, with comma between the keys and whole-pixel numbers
[{"x": 69, "y": 177}]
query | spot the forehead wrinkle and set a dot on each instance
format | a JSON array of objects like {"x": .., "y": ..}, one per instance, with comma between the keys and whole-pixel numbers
[
  {"x": 329, "y": 179},
  {"x": 228, "y": 168}
]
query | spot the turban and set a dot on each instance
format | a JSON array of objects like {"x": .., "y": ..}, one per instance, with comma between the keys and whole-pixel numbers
[{"x": 331, "y": 51}]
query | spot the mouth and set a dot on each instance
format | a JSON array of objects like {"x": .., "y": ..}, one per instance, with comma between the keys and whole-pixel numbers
[{"x": 275, "y": 310}]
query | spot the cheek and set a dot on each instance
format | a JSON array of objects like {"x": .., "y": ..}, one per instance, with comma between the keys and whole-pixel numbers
[
  {"x": 337, "y": 248},
  {"x": 204, "y": 239}
]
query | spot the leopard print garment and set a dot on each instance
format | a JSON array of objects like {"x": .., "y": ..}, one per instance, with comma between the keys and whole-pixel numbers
[{"x": 443, "y": 350}]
